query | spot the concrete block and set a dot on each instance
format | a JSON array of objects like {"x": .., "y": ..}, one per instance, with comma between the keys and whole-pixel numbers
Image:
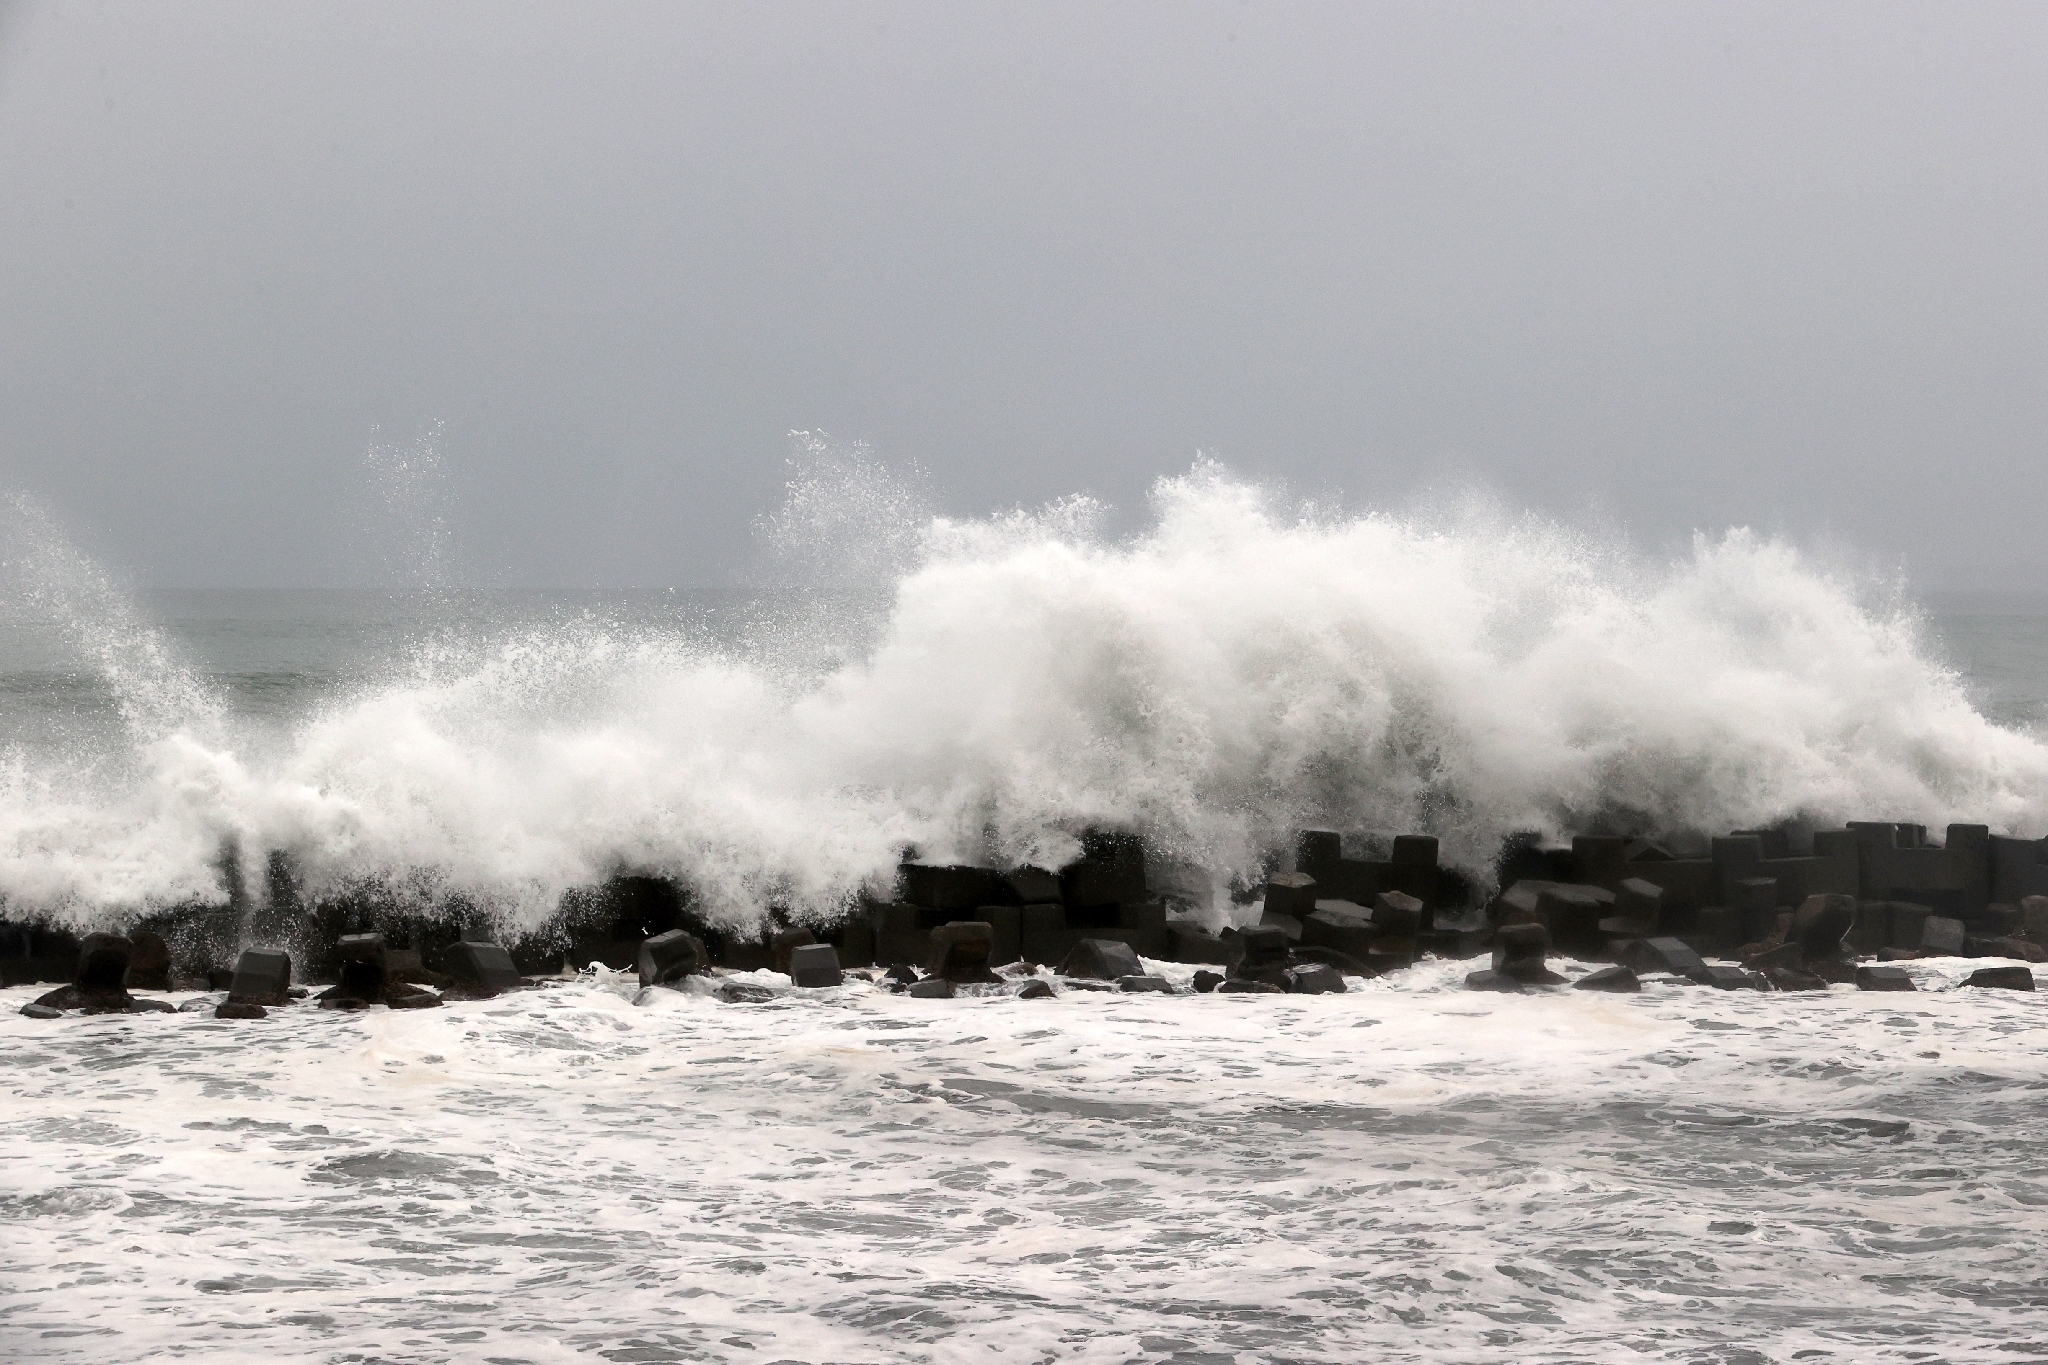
[
  {"x": 1033, "y": 885},
  {"x": 951, "y": 886},
  {"x": 1617, "y": 980},
  {"x": 1099, "y": 881},
  {"x": 1340, "y": 925},
  {"x": 1140, "y": 985},
  {"x": 1035, "y": 988},
  {"x": 1873, "y": 927},
  {"x": 1756, "y": 903},
  {"x": 1792, "y": 979},
  {"x": 1286, "y": 924},
  {"x": 1353, "y": 879},
  {"x": 1735, "y": 859},
  {"x": 1291, "y": 893},
  {"x": 361, "y": 960},
  {"x": 743, "y": 993},
  {"x": 1191, "y": 943},
  {"x": 2019, "y": 869},
  {"x": 263, "y": 976},
  {"x": 149, "y": 961},
  {"x": 1206, "y": 982},
  {"x": 1884, "y": 979},
  {"x": 1521, "y": 951},
  {"x": 1314, "y": 978},
  {"x": 1666, "y": 954},
  {"x": 1006, "y": 932},
  {"x": 1101, "y": 960},
  {"x": 1640, "y": 900},
  {"x": 1908, "y": 921},
  {"x": 1732, "y": 978},
  {"x": 787, "y": 942},
  {"x": 1820, "y": 924},
  {"x": 671, "y": 957},
  {"x": 1493, "y": 981},
  {"x": 1572, "y": 914},
  {"x": 2034, "y": 918},
  {"x": 960, "y": 952},
  {"x": 815, "y": 966},
  {"x": 2002, "y": 978},
  {"x": 482, "y": 968},
  {"x": 1316, "y": 851},
  {"x": 1941, "y": 936},
  {"x": 1396, "y": 915},
  {"x": 1719, "y": 924},
  {"x": 1265, "y": 952}
]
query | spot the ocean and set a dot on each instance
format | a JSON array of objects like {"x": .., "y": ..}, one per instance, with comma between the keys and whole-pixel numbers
[{"x": 1404, "y": 1172}]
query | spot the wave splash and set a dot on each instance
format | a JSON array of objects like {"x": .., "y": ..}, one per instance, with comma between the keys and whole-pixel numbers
[{"x": 1240, "y": 668}]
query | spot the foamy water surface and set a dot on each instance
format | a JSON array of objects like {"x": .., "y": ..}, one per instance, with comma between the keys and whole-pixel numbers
[{"x": 1408, "y": 1172}]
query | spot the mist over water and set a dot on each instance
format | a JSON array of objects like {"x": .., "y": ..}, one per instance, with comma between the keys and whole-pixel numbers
[{"x": 983, "y": 689}]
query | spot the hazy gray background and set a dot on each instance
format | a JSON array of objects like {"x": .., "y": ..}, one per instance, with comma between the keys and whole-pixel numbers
[{"x": 1678, "y": 266}]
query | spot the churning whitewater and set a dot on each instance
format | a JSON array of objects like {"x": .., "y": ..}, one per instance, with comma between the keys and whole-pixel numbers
[{"x": 984, "y": 690}]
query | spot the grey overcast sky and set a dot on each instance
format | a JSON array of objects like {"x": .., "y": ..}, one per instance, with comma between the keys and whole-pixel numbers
[{"x": 1672, "y": 265}]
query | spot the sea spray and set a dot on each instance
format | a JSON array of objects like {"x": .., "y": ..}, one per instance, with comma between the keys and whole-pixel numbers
[{"x": 1239, "y": 668}]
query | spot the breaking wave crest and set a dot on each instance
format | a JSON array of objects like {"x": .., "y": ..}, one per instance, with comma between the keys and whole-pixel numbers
[{"x": 986, "y": 689}]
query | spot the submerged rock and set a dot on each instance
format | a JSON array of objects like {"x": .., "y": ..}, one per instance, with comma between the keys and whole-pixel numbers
[
  {"x": 1314, "y": 978},
  {"x": 1141, "y": 984},
  {"x": 931, "y": 988},
  {"x": 34, "y": 1010},
  {"x": 1490, "y": 980},
  {"x": 1101, "y": 959},
  {"x": 240, "y": 1009},
  {"x": 1037, "y": 988},
  {"x": 747, "y": 993}
]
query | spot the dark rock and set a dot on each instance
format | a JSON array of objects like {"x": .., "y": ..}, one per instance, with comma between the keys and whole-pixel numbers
[
  {"x": 1873, "y": 927},
  {"x": 1788, "y": 956},
  {"x": 1286, "y": 924},
  {"x": 1207, "y": 981},
  {"x": 240, "y": 1009},
  {"x": 1942, "y": 936},
  {"x": 1908, "y": 921},
  {"x": 1820, "y": 923},
  {"x": 960, "y": 952},
  {"x": 1732, "y": 978},
  {"x": 1792, "y": 979},
  {"x": 1493, "y": 981},
  {"x": 787, "y": 942},
  {"x": 1240, "y": 986},
  {"x": 37, "y": 1010},
  {"x": 1316, "y": 849},
  {"x": 262, "y": 977},
  {"x": 220, "y": 978},
  {"x": 333, "y": 999},
  {"x": 1620, "y": 980},
  {"x": 815, "y": 966},
  {"x": 1883, "y": 979},
  {"x": 1138, "y": 984},
  {"x": 1037, "y": 988},
  {"x": 145, "y": 1007},
  {"x": 412, "y": 999},
  {"x": 1458, "y": 940},
  {"x": 2002, "y": 978},
  {"x": 1292, "y": 894},
  {"x": 1315, "y": 979},
  {"x": 747, "y": 993},
  {"x": 931, "y": 988},
  {"x": 902, "y": 975},
  {"x": 149, "y": 962},
  {"x": 481, "y": 969},
  {"x": 1665, "y": 954},
  {"x": 363, "y": 973},
  {"x": 1899, "y": 954},
  {"x": 671, "y": 957}
]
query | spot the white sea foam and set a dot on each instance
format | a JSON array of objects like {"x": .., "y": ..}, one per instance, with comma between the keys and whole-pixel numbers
[
  {"x": 1407, "y": 1172},
  {"x": 1238, "y": 668}
]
